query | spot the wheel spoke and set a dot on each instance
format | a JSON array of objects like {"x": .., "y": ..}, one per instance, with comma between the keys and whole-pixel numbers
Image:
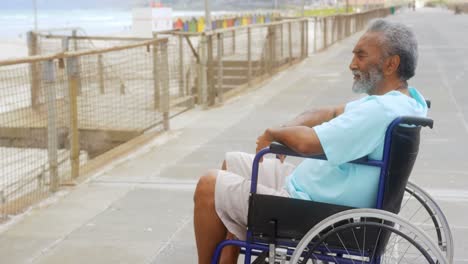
[
  {"x": 375, "y": 245},
  {"x": 329, "y": 251},
  {"x": 357, "y": 244},
  {"x": 409, "y": 198},
  {"x": 407, "y": 249},
  {"x": 393, "y": 247},
  {"x": 364, "y": 244}
]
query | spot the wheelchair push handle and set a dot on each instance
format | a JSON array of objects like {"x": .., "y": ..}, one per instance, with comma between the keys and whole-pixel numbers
[
  {"x": 417, "y": 121},
  {"x": 428, "y": 103}
]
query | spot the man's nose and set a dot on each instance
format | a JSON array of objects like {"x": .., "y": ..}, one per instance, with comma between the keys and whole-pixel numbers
[{"x": 352, "y": 65}]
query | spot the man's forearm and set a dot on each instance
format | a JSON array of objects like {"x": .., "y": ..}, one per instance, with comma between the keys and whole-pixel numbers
[
  {"x": 313, "y": 118},
  {"x": 301, "y": 139}
]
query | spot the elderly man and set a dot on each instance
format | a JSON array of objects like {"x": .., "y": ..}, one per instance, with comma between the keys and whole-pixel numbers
[{"x": 385, "y": 57}]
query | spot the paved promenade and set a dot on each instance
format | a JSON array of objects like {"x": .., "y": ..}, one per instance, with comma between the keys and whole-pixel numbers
[{"x": 139, "y": 210}]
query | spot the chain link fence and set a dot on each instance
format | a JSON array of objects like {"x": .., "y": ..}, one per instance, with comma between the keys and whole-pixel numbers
[
  {"x": 181, "y": 60},
  {"x": 61, "y": 110},
  {"x": 236, "y": 58},
  {"x": 78, "y": 96}
]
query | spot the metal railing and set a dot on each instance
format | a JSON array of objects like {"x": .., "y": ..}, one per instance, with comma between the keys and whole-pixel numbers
[{"x": 78, "y": 96}]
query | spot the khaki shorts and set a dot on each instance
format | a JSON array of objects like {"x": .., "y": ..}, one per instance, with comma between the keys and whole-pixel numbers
[{"x": 233, "y": 188}]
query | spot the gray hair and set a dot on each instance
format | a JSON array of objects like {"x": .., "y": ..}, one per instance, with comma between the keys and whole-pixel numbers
[{"x": 398, "y": 39}]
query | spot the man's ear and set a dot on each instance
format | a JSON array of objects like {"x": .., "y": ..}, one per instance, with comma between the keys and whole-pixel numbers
[{"x": 391, "y": 65}]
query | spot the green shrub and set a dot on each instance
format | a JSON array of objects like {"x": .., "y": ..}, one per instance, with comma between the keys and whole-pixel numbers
[{"x": 326, "y": 11}]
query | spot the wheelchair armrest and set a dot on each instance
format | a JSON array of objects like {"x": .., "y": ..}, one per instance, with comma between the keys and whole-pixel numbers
[{"x": 278, "y": 148}]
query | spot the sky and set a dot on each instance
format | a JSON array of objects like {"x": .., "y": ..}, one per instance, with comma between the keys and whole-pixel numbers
[
  {"x": 61, "y": 4},
  {"x": 127, "y": 4}
]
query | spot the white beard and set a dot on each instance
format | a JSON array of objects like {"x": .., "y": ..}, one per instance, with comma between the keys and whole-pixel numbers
[{"x": 367, "y": 83}]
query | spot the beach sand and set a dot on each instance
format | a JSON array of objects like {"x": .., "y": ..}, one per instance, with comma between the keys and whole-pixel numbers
[{"x": 13, "y": 48}]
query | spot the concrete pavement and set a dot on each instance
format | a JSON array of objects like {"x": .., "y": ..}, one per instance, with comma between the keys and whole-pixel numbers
[{"x": 139, "y": 210}]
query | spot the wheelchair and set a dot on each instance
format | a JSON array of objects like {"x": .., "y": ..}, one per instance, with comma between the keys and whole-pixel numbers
[{"x": 406, "y": 225}]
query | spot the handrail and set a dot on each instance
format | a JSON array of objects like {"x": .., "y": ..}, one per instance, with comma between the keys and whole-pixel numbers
[
  {"x": 69, "y": 54},
  {"x": 49, "y": 36}
]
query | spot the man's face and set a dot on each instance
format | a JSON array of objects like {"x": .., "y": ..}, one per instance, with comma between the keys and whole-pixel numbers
[{"x": 367, "y": 64}]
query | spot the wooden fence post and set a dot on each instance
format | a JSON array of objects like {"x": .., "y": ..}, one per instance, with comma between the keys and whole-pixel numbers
[
  {"x": 273, "y": 49},
  {"x": 34, "y": 69},
  {"x": 65, "y": 44},
  {"x": 210, "y": 75},
  {"x": 165, "y": 95},
  {"x": 290, "y": 43},
  {"x": 306, "y": 38},
  {"x": 325, "y": 33},
  {"x": 302, "y": 39},
  {"x": 315, "y": 34},
  {"x": 48, "y": 77},
  {"x": 75, "y": 41},
  {"x": 340, "y": 27},
  {"x": 348, "y": 25},
  {"x": 220, "y": 67},
  {"x": 249, "y": 56},
  {"x": 75, "y": 48},
  {"x": 73, "y": 132},
  {"x": 335, "y": 26},
  {"x": 222, "y": 44},
  {"x": 156, "y": 77},
  {"x": 331, "y": 28},
  {"x": 3, "y": 199},
  {"x": 269, "y": 52},
  {"x": 202, "y": 85},
  {"x": 181, "y": 66},
  {"x": 281, "y": 41},
  {"x": 234, "y": 42},
  {"x": 101, "y": 74}
]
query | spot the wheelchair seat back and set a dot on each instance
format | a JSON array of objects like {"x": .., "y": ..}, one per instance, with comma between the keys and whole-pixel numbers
[{"x": 403, "y": 153}]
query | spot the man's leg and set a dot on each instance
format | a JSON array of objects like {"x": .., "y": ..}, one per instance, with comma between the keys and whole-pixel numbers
[
  {"x": 230, "y": 254},
  {"x": 209, "y": 229}
]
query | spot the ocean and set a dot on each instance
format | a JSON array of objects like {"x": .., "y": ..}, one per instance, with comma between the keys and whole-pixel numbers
[{"x": 15, "y": 23}]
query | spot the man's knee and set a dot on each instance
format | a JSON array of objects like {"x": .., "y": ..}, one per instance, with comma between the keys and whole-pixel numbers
[{"x": 204, "y": 192}]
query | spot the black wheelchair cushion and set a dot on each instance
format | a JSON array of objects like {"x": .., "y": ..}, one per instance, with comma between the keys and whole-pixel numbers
[{"x": 274, "y": 217}]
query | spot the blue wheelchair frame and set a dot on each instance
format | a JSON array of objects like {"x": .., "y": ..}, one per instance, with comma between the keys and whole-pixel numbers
[{"x": 254, "y": 248}]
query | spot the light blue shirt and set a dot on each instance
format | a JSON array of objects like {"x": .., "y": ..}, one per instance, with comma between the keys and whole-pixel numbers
[{"x": 358, "y": 132}]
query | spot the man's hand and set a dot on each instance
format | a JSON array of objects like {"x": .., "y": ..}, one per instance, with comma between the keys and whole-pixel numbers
[{"x": 264, "y": 140}]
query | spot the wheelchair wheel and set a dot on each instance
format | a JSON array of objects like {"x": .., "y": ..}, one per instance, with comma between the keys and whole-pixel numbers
[
  {"x": 367, "y": 236},
  {"x": 420, "y": 209}
]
